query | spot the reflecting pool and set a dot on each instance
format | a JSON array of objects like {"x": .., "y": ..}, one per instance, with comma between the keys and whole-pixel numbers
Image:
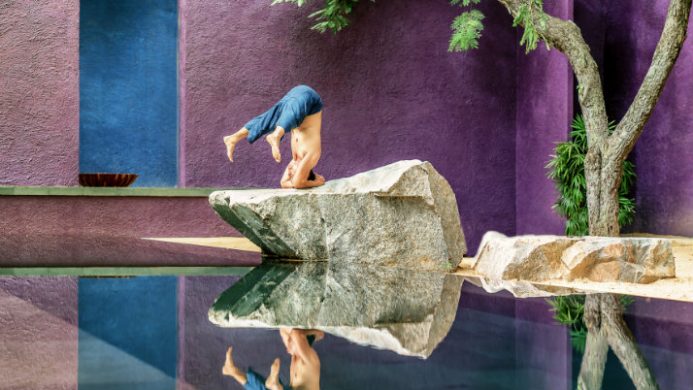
[{"x": 155, "y": 332}]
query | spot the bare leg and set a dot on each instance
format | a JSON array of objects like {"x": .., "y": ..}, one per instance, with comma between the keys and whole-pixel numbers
[
  {"x": 273, "y": 139},
  {"x": 231, "y": 370},
  {"x": 272, "y": 382},
  {"x": 232, "y": 140}
]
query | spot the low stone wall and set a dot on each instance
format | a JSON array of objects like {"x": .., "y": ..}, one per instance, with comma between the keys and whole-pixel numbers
[{"x": 107, "y": 230}]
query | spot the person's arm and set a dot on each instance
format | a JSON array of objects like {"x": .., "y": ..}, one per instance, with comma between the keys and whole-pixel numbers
[
  {"x": 287, "y": 176},
  {"x": 300, "y": 179},
  {"x": 300, "y": 345},
  {"x": 284, "y": 333}
]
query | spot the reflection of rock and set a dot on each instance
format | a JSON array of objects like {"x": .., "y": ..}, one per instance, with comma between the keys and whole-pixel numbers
[
  {"x": 514, "y": 262},
  {"x": 404, "y": 311},
  {"x": 404, "y": 211}
]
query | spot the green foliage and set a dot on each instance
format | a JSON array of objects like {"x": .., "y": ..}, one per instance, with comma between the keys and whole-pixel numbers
[
  {"x": 333, "y": 16},
  {"x": 466, "y": 27},
  {"x": 530, "y": 15},
  {"x": 466, "y": 31},
  {"x": 464, "y": 3},
  {"x": 567, "y": 170},
  {"x": 569, "y": 310}
]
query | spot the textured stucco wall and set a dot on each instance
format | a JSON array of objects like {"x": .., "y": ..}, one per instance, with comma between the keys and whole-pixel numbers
[
  {"x": 544, "y": 109},
  {"x": 391, "y": 92},
  {"x": 38, "y": 333},
  {"x": 39, "y": 101},
  {"x": 128, "y": 89}
]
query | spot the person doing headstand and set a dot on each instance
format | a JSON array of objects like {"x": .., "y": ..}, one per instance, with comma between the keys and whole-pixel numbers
[{"x": 300, "y": 112}]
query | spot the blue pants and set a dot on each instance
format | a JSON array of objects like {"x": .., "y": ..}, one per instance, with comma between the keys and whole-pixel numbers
[
  {"x": 255, "y": 381},
  {"x": 288, "y": 113}
]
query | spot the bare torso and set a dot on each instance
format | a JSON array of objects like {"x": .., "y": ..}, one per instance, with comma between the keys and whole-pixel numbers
[
  {"x": 305, "y": 139},
  {"x": 305, "y": 375}
]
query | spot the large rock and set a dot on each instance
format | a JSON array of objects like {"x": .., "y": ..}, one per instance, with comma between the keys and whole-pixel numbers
[
  {"x": 514, "y": 263},
  {"x": 401, "y": 310},
  {"x": 402, "y": 214}
]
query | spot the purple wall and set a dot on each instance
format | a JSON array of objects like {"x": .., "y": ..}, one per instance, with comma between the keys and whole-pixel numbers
[
  {"x": 39, "y": 102},
  {"x": 391, "y": 92},
  {"x": 488, "y": 119},
  {"x": 544, "y": 110},
  {"x": 663, "y": 157}
]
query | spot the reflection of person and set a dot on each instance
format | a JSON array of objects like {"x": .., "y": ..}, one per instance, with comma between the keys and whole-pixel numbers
[
  {"x": 252, "y": 380},
  {"x": 300, "y": 112},
  {"x": 305, "y": 363}
]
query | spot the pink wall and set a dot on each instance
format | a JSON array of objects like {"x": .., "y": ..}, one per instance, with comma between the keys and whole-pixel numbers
[
  {"x": 39, "y": 92},
  {"x": 38, "y": 333}
]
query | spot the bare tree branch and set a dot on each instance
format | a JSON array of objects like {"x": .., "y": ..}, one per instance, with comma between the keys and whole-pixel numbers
[
  {"x": 565, "y": 36},
  {"x": 665, "y": 55}
]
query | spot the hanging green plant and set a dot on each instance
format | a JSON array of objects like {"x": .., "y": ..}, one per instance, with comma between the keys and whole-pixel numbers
[{"x": 567, "y": 170}]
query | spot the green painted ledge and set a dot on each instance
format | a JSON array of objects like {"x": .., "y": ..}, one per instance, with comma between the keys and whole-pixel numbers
[
  {"x": 123, "y": 271},
  {"x": 106, "y": 191}
]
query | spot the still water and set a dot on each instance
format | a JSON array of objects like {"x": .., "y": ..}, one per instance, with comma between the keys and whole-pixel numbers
[{"x": 384, "y": 329}]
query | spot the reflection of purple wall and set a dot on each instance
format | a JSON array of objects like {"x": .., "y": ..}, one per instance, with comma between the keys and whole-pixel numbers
[
  {"x": 391, "y": 92},
  {"x": 544, "y": 108},
  {"x": 39, "y": 102},
  {"x": 38, "y": 333},
  {"x": 663, "y": 330}
]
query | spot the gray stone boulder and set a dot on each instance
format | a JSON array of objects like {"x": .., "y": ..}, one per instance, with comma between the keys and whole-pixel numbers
[
  {"x": 396, "y": 309},
  {"x": 514, "y": 263},
  {"x": 402, "y": 214}
]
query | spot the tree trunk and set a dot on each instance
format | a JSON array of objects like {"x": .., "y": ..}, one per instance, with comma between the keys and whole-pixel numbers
[{"x": 603, "y": 169}]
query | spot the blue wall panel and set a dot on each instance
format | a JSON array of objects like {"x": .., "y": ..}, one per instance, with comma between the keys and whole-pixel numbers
[
  {"x": 128, "y": 89},
  {"x": 128, "y": 333}
]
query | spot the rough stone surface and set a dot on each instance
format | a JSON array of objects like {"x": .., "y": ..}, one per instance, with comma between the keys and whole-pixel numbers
[
  {"x": 512, "y": 263},
  {"x": 405, "y": 311},
  {"x": 402, "y": 214}
]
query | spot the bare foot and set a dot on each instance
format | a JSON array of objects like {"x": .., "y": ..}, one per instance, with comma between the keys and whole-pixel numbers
[
  {"x": 230, "y": 142},
  {"x": 272, "y": 382},
  {"x": 230, "y": 368},
  {"x": 273, "y": 139}
]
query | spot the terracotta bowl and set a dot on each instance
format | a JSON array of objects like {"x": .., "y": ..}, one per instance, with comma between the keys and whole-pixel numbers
[{"x": 106, "y": 179}]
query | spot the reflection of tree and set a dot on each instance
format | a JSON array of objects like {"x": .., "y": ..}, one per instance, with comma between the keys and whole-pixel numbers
[{"x": 606, "y": 328}]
